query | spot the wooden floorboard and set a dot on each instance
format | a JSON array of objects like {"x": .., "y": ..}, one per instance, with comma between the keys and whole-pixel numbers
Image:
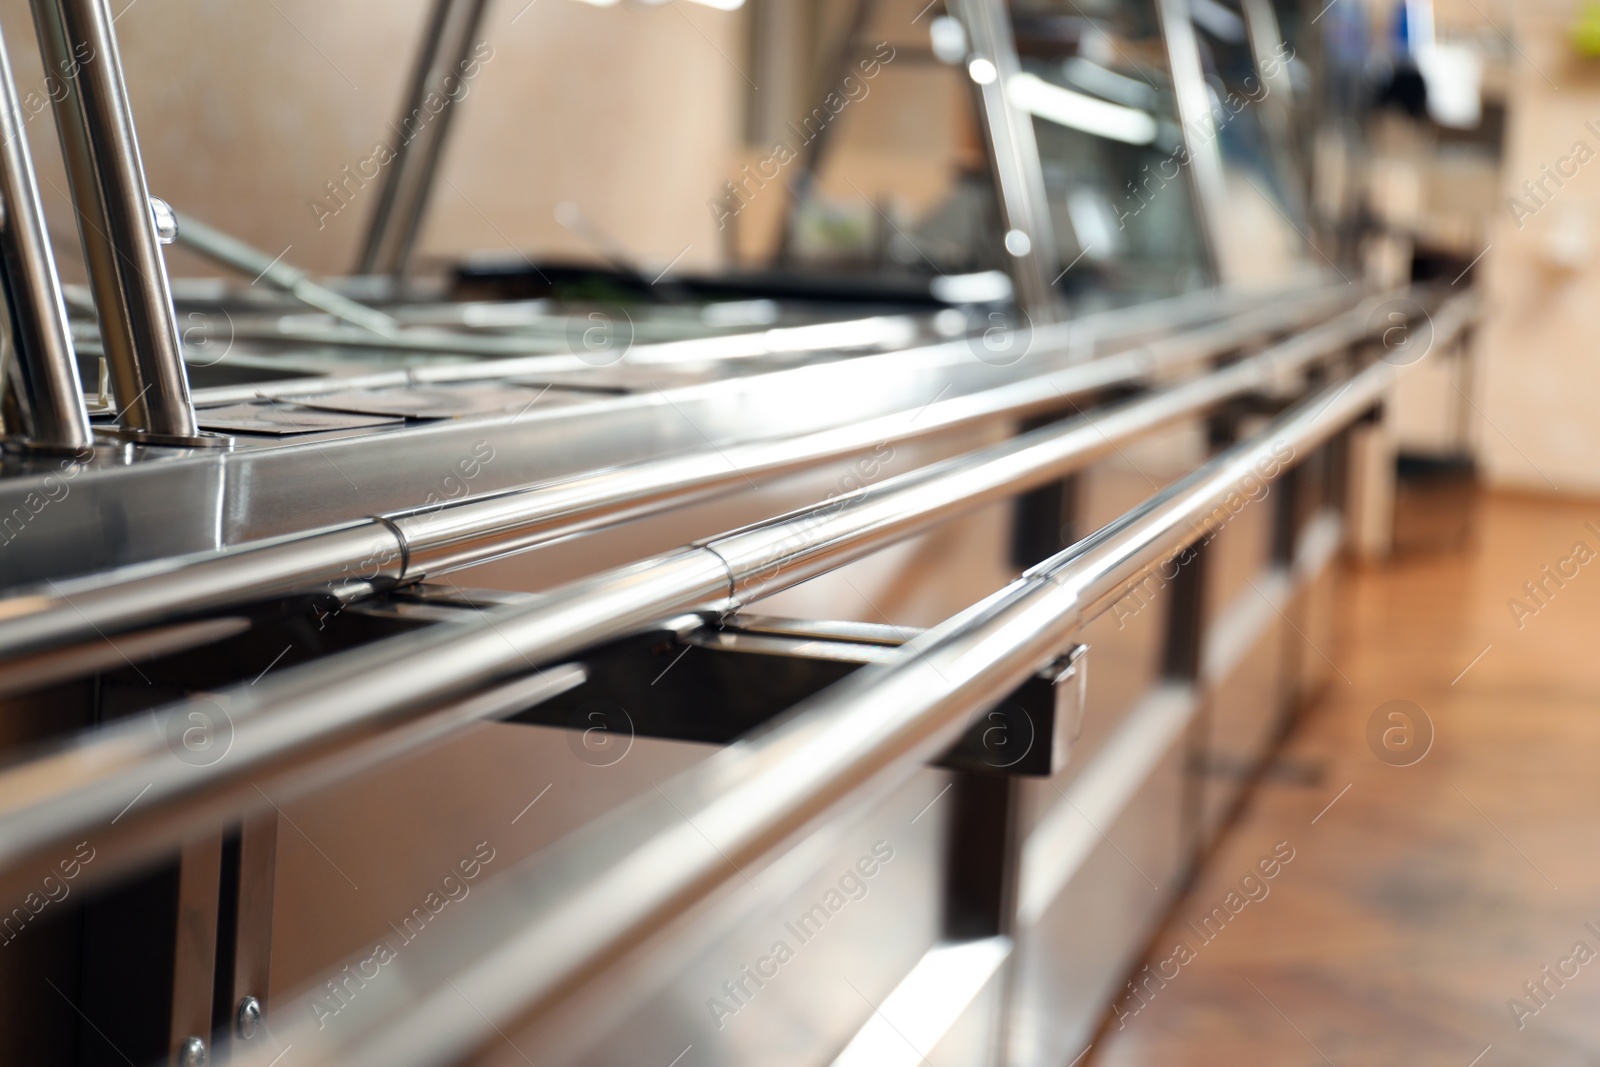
[{"x": 1419, "y": 903}]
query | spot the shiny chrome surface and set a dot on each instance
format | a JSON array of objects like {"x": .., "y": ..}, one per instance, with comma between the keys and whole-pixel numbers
[
  {"x": 231, "y": 252},
  {"x": 895, "y": 464},
  {"x": 172, "y": 502},
  {"x": 45, "y": 371},
  {"x": 441, "y": 538},
  {"x": 296, "y": 710},
  {"x": 126, "y": 268},
  {"x": 554, "y": 927},
  {"x": 991, "y": 63}
]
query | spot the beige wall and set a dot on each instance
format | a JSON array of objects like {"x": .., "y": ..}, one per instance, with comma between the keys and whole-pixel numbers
[
  {"x": 1538, "y": 352},
  {"x": 246, "y": 109}
]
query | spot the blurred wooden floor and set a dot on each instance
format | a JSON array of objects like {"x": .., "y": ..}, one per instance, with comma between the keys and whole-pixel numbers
[{"x": 1420, "y": 898}]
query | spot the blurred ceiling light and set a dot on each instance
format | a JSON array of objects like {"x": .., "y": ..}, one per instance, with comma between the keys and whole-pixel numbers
[
  {"x": 948, "y": 38},
  {"x": 1218, "y": 21},
  {"x": 1079, "y": 112}
]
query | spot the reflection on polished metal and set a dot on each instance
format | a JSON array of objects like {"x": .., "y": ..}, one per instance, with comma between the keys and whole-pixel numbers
[
  {"x": 440, "y": 73},
  {"x": 1099, "y": 333},
  {"x": 45, "y": 368},
  {"x": 129, "y": 276},
  {"x": 1192, "y": 95},
  {"x": 231, "y": 252},
  {"x": 192, "y": 1053},
  {"x": 554, "y": 926},
  {"x": 1013, "y": 155},
  {"x": 247, "y": 1021},
  {"x": 166, "y": 220},
  {"x": 291, "y": 715},
  {"x": 428, "y": 542}
]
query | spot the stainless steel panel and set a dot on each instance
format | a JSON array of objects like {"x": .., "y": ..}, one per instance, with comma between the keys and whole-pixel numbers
[
  {"x": 839, "y": 943},
  {"x": 946, "y": 1013},
  {"x": 356, "y": 860},
  {"x": 1311, "y": 648},
  {"x": 1311, "y": 668},
  {"x": 64, "y": 517},
  {"x": 271, "y": 487},
  {"x": 979, "y": 1033},
  {"x": 1126, "y": 644},
  {"x": 1240, "y": 554},
  {"x": 1124, "y": 666},
  {"x": 549, "y": 934},
  {"x": 1246, "y": 707},
  {"x": 1073, "y": 955}
]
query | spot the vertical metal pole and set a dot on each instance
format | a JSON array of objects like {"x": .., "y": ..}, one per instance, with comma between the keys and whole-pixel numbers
[
  {"x": 46, "y": 370},
  {"x": 440, "y": 73},
  {"x": 126, "y": 269},
  {"x": 1014, "y": 155},
  {"x": 1278, "y": 105},
  {"x": 252, "y": 944},
  {"x": 1199, "y": 127},
  {"x": 194, "y": 955}
]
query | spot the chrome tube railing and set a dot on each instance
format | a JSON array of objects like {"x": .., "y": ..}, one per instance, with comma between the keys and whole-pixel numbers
[
  {"x": 410, "y": 545},
  {"x": 46, "y": 369},
  {"x": 1090, "y": 335},
  {"x": 555, "y": 925},
  {"x": 126, "y": 270},
  {"x": 82, "y": 786},
  {"x": 1013, "y": 155},
  {"x": 228, "y": 250}
]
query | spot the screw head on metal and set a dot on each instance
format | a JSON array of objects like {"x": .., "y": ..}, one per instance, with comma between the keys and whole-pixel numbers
[
  {"x": 192, "y": 1053},
  {"x": 248, "y": 1024}
]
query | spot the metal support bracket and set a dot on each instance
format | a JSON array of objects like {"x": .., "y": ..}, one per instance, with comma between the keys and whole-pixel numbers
[{"x": 703, "y": 681}]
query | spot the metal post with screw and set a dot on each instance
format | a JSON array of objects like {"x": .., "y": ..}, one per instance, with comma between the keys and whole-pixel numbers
[{"x": 115, "y": 221}]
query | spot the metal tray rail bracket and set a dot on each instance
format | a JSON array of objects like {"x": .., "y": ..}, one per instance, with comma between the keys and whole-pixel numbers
[{"x": 718, "y": 681}]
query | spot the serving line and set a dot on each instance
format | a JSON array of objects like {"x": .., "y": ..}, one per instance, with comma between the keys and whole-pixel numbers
[
  {"x": 560, "y": 920},
  {"x": 1289, "y": 307},
  {"x": 81, "y": 786},
  {"x": 354, "y": 559}
]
